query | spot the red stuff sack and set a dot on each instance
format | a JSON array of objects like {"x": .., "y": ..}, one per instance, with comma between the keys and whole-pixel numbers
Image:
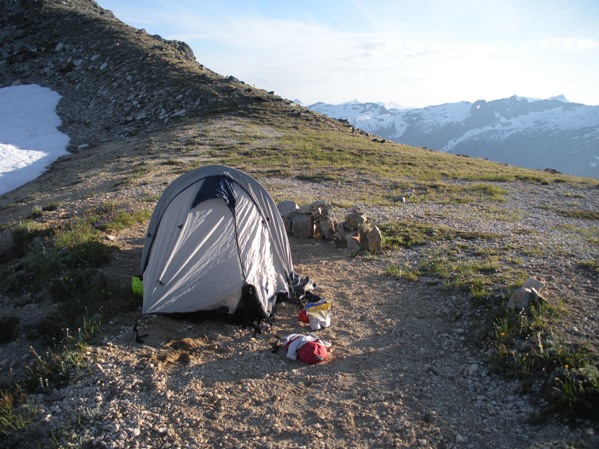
[{"x": 312, "y": 352}]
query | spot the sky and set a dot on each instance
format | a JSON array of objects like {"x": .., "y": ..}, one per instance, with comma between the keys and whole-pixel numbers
[
  {"x": 412, "y": 53},
  {"x": 29, "y": 137}
]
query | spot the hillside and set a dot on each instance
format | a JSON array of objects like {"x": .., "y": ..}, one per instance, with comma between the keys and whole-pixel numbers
[
  {"x": 425, "y": 352},
  {"x": 97, "y": 63},
  {"x": 552, "y": 133}
]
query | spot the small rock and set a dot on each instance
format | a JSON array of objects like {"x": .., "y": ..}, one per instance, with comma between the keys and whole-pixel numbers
[
  {"x": 473, "y": 369},
  {"x": 520, "y": 299},
  {"x": 460, "y": 439}
]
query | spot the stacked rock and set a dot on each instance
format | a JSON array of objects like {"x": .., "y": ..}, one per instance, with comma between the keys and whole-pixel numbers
[
  {"x": 316, "y": 221},
  {"x": 357, "y": 232}
]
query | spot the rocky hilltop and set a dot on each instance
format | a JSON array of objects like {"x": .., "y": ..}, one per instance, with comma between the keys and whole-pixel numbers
[
  {"x": 115, "y": 80},
  {"x": 428, "y": 347}
]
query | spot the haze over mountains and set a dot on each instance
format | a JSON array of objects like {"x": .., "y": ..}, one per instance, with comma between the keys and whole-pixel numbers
[{"x": 552, "y": 133}]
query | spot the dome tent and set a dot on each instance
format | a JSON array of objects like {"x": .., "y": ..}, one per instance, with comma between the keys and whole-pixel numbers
[{"x": 214, "y": 230}]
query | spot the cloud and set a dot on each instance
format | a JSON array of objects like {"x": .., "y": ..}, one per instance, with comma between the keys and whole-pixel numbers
[
  {"x": 416, "y": 54},
  {"x": 566, "y": 44}
]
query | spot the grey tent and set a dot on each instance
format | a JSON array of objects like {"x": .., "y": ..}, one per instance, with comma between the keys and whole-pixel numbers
[{"x": 214, "y": 230}]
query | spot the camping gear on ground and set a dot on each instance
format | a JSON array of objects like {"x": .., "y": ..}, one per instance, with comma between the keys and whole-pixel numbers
[
  {"x": 137, "y": 286},
  {"x": 301, "y": 284},
  {"x": 319, "y": 314},
  {"x": 303, "y": 316},
  {"x": 215, "y": 232},
  {"x": 307, "y": 348},
  {"x": 316, "y": 311}
]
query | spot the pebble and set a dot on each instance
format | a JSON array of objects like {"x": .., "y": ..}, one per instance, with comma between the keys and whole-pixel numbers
[
  {"x": 460, "y": 439},
  {"x": 473, "y": 369}
]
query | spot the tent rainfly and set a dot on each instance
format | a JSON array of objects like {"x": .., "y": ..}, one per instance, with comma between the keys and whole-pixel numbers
[{"x": 214, "y": 230}]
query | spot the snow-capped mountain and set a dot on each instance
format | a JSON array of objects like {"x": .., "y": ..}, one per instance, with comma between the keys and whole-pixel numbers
[{"x": 551, "y": 133}]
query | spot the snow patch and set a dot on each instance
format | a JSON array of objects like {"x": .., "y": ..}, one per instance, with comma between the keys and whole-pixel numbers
[{"x": 29, "y": 136}]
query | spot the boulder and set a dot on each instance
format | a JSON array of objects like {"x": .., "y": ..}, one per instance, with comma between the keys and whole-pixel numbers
[
  {"x": 316, "y": 221},
  {"x": 534, "y": 283},
  {"x": 375, "y": 240},
  {"x": 319, "y": 213},
  {"x": 305, "y": 209},
  {"x": 302, "y": 226},
  {"x": 353, "y": 241},
  {"x": 354, "y": 219},
  {"x": 326, "y": 227},
  {"x": 286, "y": 207},
  {"x": 287, "y": 223}
]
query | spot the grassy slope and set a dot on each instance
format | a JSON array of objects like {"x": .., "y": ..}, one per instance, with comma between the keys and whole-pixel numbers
[{"x": 75, "y": 206}]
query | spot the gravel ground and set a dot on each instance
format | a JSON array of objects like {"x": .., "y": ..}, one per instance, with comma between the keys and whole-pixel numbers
[{"x": 403, "y": 371}]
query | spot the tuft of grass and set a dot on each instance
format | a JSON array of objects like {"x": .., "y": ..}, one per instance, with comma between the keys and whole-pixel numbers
[
  {"x": 63, "y": 262},
  {"x": 10, "y": 420},
  {"x": 36, "y": 212},
  {"x": 407, "y": 233},
  {"x": 173, "y": 162},
  {"x": 592, "y": 265},
  {"x": 51, "y": 206},
  {"x": 50, "y": 369},
  {"x": 489, "y": 191},
  {"x": 573, "y": 195},
  {"x": 321, "y": 177},
  {"x": 24, "y": 233},
  {"x": 527, "y": 349},
  {"x": 402, "y": 271},
  {"x": 481, "y": 275},
  {"x": 78, "y": 245},
  {"x": 575, "y": 390},
  {"x": 580, "y": 214},
  {"x": 53, "y": 368},
  {"x": 589, "y": 234},
  {"x": 112, "y": 217}
]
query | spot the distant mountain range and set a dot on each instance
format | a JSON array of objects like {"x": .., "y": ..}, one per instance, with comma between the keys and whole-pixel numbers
[{"x": 552, "y": 133}]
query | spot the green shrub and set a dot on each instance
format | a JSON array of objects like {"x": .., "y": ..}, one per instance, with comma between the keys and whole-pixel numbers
[
  {"x": 51, "y": 206},
  {"x": 403, "y": 272}
]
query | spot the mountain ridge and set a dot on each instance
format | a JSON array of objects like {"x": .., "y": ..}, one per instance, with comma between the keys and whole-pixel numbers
[
  {"x": 116, "y": 80},
  {"x": 551, "y": 133}
]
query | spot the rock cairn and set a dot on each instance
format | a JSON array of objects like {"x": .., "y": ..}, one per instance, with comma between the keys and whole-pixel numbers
[{"x": 316, "y": 221}]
